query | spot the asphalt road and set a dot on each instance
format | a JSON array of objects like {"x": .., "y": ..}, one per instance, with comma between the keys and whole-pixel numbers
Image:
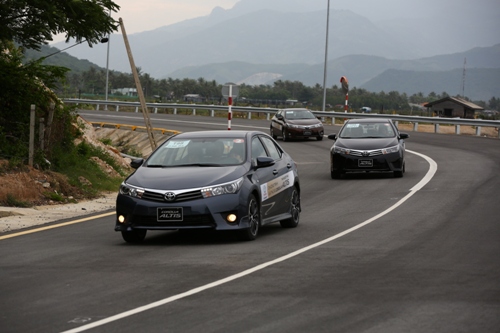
[{"x": 372, "y": 253}]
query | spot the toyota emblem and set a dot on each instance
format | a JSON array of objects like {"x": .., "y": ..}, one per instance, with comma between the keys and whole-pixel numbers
[
  {"x": 169, "y": 196},
  {"x": 365, "y": 153}
]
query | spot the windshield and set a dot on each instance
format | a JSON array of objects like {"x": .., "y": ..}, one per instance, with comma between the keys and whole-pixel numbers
[
  {"x": 299, "y": 114},
  {"x": 199, "y": 152},
  {"x": 367, "y": 130}
]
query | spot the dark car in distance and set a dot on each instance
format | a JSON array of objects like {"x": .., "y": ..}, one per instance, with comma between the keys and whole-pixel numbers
[
  {"x": 296, "y": 123},
  {"x": 368, "y": 145},
  {"x": 217, "y": 180}
]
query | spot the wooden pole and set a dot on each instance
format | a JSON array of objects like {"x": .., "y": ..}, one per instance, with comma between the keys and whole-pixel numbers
[
  {"x": 32, "y": 136},
  {"x": 145, "y": 112}
]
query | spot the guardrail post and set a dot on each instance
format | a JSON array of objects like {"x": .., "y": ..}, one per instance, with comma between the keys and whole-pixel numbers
[
  {"x": 249, "y": 115},
  {"x": 194, "y": 112},
  {"x": 156, "y": 110},
  {"x": 97, "y": 105},
  {"x": 268, "y": 116},
  {"x": 117, "y": 108},
  {"x": 436, "y": 128},
  {"x": 457, "y": 129},
  {"x": 212, "y": 113},
  {"x": 415, "y": 127},
  {"x": 333, "y": 120},
  {"x": 136, "y": 109},
  {"x": 478, "y": 131},
  {"x": 175, "y": 110},
  {"x": 396, "y": 123}
]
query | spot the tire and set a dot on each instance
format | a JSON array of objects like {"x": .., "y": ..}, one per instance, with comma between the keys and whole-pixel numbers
[
  {"x": 399, "y": 174},
  {"x": 283, "y": 135},
  {"x": 293, "y": 221},
  {"x": 319, "y": 138},
  {"x": 272, "y": 133},
  {"x": 134, "y": 236},
  {"x": 250, "y": 233},
  {"x": 335, "y": 174}
]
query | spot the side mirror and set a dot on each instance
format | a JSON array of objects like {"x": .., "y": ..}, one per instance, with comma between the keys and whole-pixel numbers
[
  {"x": 403, "y": 136},
  {"x": 332, "y": 136},
  {"x": 264, "y": 161},
  {"x": 137, "y": 163},
  {"x": 280, "y": 117}
]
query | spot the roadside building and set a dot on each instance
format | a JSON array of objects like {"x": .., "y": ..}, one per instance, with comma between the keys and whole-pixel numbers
[{"x": 453, "y": 107}]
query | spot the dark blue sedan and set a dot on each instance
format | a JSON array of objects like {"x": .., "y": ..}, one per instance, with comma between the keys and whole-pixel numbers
[
  {"x": 368, "y": 145},
  {"x": 218, "y": 180}
]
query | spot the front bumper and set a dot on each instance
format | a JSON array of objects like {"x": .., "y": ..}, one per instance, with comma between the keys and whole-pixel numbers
[
  {"x": 305, "y": 132},
  {"x": 207, "y": 213},
  {"x": 349, "y": 163}
]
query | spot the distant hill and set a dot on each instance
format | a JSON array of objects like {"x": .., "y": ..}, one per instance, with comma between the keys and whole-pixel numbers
[
  {"x": 481, "y": 84},
  {"x": 443, "y": 73},
  {"x": 59, "y": 59}
]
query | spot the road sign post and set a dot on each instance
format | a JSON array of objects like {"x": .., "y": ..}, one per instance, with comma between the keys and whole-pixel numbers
[
  {"x": 345, "y": 89},
  {"x": 229, "y": 90}
]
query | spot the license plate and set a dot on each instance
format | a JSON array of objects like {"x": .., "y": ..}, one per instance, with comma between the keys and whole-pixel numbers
[
  {"x": 307, "y": 133},
  {"x": 365, "y": 163},
  {"x": 170, "y": 214}
]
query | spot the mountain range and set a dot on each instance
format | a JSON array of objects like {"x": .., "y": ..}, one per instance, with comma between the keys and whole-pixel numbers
[{"x": 260, "y": 41}]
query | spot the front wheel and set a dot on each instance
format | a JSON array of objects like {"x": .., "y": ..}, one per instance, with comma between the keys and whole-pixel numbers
[
  {"x": 293, "y": 221},
  {"x": 319, "y": 138},
  {"x": 253, "y": 220},
  {"x": 134, "y": 236},
  {"x": 283, "y": 135},
  {"x": 272, "y": 133}
]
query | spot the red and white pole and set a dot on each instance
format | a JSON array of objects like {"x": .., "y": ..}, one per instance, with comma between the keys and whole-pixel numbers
[
  {"x": 230, "y": 103},
  {"x": 346, "y": 105}
]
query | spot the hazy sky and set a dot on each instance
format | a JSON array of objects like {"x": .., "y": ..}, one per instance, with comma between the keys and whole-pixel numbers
[{"x": 144, "y": 15}]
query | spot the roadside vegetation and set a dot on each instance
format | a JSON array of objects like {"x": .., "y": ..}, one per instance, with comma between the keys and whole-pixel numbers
[{"x": 54, "y": 170}]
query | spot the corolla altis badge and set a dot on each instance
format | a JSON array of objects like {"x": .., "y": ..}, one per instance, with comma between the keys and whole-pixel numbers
[{"x": 169, "y": 196}]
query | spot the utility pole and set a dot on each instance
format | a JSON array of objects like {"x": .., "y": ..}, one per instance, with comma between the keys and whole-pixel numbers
[
  {"x": 463, "y": 79},
  {"x": 144, "y": 108}
]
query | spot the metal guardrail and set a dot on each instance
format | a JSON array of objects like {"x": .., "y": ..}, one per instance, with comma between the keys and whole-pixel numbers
[{"x": 415, "y": 120}]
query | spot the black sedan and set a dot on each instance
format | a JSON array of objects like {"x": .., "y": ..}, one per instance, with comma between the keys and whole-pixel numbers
[
  {"x": 368, "y": 145},
  {"x": 296, "y": 123},
  {"x": 218, "y": 180}
]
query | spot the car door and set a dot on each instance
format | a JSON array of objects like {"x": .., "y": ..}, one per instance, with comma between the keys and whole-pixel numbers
[
  {"x": 275, "y": 181},
  {"x": 277, "y": 123}
]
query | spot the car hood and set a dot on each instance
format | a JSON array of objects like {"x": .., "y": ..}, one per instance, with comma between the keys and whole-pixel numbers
[
  {"x": 177, "y": 178},
  {"x": 303, "y": 122},
  {"x": 366, "y": 144}
]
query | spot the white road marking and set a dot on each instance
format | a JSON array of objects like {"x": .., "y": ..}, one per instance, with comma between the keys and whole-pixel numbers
[{"x": 430, "y": 173}]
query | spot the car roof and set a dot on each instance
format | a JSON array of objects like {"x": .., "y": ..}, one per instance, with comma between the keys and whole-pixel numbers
[
  {"x": 217, "y": 134},
  {"x": 370, "y": 120}
]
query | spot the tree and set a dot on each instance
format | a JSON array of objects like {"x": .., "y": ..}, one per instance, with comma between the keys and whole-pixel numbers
[{"x": 32, "y": 23}]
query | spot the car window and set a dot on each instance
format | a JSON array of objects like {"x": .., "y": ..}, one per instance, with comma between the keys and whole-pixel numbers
[
  {"x": 367, "y": 130},
  {"x": 257, "y": 148},
  {"x": 273, "y": 151}
]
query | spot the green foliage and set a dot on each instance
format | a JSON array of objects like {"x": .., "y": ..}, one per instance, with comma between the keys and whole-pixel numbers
[
  {"x": 14, "y": 202},
  {"x": 32, "y": 23}
]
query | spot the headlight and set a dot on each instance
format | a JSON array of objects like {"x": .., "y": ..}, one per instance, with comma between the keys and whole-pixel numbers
[
  {"x": 389, "y": 150},
  {"x": 339, "y": 150},
  {"x": 294, "y": 126},
  {"x": 226, "y": 188},
  {"x": 317, "y": 125},
  {"x": 131, "y": 191}
]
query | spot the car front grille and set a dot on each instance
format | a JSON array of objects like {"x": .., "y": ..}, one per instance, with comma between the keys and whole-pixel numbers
[
  {"x": 179, "y": 197},
  {"x": 200, "y": 221},
  {"x": 365, "y": 153}
]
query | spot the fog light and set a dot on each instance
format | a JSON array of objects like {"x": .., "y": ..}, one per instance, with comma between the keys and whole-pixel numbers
[
  {"x": 121, "y": 218},
  {"x": 231, "y": 218}
]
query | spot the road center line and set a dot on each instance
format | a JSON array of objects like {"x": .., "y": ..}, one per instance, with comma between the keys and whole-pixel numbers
[{"x": 430, "y": 173}]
